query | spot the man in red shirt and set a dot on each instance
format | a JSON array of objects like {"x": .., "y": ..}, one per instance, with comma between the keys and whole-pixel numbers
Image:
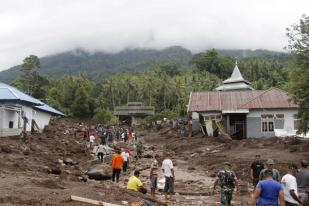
[{"x": 117, "y": 163}]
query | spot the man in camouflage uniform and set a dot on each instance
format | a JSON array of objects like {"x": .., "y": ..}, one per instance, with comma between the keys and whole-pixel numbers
[
  {"x": 270, "y": 165},
  {"x": 228, "y": 181}
]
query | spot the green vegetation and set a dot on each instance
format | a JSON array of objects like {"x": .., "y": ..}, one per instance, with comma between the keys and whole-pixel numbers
[{"x": 299, "y": 77}]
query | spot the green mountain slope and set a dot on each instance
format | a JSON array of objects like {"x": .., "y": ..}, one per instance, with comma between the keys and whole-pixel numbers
[{"x": 100, "y": 63}]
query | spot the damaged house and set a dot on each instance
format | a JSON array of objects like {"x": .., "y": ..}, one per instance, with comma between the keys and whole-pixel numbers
[
  {"x": 19, "y": 111},
  {"x": 236, "y": 110}
]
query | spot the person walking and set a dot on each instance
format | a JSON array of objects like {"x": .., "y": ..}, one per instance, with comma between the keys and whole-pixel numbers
[
  {"x": 101, "y": 151},
  {"x": 117, "y": 163},
  {"x": 168, "y": 170},
  {"x": 228, "y": 182},
  {"x": 154, "y": 176},
  {"x": 125, "y": 155},
  {"x": 270, "y": 165},
  {"x": 268, "y": 192},
  {"x": 256, "y": 167},
  {"x": 290, "y": 187},
  {"x": 302, "y": 179}
]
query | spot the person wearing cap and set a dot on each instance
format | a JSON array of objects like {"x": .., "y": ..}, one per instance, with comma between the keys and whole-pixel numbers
[
  {"x": 290, "y": 187},
  {"x": 135, "y": 183},
  {"x": 228, "y": 181},
  {"x": 270, "y": 165},
  {"x": 256, "y": 167},
  {"x": 302, "y": 179},
  {"x": 268, "y": 192}
]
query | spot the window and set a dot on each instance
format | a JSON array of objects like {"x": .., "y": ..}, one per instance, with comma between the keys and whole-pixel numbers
[
  {"x": 279, "y": 116},
  {"x": 11, "y": 124},
  {"x": 296, "y": 122},
  {"x": 267, "y": 122}
]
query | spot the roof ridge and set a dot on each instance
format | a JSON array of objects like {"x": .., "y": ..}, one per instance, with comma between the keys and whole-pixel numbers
[
  {"x": 11, "y": 90},
  {"x": 264, "y": 92}
]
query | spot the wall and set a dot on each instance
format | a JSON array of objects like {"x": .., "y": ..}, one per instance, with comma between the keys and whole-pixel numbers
[
  {"x": 29, "y": 115},
  {"x": 254, "y": 128},
  {"x": 5, "y": 117},
  {"x": 41, "y": 118}
]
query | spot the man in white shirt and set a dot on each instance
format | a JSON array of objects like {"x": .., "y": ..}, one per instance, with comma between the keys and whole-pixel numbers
[
  {"x": 125, "y": 154},
  {"x": 168, "y": 170},
  {"x": 101, "y": 151},
  {"x": 92, "y": 141},
  {"x": 290, "y": 187}
]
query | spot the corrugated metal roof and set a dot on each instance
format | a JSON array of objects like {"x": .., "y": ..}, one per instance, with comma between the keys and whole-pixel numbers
[
  {"x": 9, "y": 93},
  {"x": 231, "y": 100},
  {"x": 49, "y": 109},
  {"x": 271, "y": 98}
]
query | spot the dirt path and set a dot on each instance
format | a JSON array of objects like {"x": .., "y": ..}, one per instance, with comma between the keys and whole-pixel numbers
[{"x": 198, "y": 160}]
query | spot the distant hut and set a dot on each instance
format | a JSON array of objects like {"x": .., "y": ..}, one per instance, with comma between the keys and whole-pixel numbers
[{"x": 133, "y": 113}]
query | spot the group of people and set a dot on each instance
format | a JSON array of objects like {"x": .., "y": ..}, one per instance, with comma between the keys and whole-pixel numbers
[
  {"x": 167, "y": 168},
  {"x": 269, "y": 188}
]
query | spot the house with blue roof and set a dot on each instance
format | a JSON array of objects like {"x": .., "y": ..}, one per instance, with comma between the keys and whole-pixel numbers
[{"x": 19, "y": 111}]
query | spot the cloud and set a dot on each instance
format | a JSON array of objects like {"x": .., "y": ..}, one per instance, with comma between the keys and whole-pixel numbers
[{"x": 44, "y": 27}]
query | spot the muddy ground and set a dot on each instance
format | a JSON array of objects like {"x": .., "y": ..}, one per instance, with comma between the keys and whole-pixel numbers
[{"x": 31, "y": 174}]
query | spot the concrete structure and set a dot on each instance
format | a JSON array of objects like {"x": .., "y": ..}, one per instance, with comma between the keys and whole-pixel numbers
[
  {"x": 19, "y": 111},
  {"x": 237, "y": 110},
  {"x": 133, "y": 113}
]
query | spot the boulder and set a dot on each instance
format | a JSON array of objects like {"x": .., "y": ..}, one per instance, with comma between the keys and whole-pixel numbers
[
  {"x": 6, "y": 149},
  {"x": 68, "y": 161},
  {"x": 100, "y": 172},
  {"x": 26, "y": 151},
  {"x": 55, "y": 171}
]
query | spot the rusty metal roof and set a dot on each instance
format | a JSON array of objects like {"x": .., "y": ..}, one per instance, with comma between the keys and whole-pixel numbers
[{"x": 232, "y": 100}]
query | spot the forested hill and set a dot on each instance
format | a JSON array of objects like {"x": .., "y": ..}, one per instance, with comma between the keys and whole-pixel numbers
[
  {"x": 96, "y": 63},
  {"x": 101, "y": 63}
]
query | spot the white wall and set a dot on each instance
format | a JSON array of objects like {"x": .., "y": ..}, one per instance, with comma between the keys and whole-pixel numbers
[
  {"x": 288, "y": 116},
  {"x": 41, "y": 118},
  {"x": 10, "y": 115},
  {"x": 28, "y": 112},
  {"x": 254, "y": 125}
]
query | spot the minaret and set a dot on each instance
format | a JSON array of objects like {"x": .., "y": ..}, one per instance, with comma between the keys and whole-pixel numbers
[{"x": 235, "y": 82}]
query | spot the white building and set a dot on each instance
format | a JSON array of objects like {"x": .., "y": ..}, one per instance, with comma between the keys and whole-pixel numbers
[
  {"x": 237, "y": 110},
  {"x": 18, "y": 110}
]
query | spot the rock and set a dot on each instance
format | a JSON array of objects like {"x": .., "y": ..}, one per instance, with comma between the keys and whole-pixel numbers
[
  {"x": 212, "y": 175},
  {"x": 55, "y": 171},
  {"x": 68, "y": 161},
  {"x": 100, "y": 172},
  {"x": 147, "y": 156},
  {"x": 26, "y": 151},
  {"x": 68, "y": 172},
  {"x": 191, "y": 168},
  {"x": 83, "y": 178},
  {"x": 6, "y": 149},
  {"x": 193, "y": 155}
]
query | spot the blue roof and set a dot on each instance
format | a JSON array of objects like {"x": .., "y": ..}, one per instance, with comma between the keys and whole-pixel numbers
[
  {"x": 49, "y": 109},
  {"x": 9, "y": 93}
]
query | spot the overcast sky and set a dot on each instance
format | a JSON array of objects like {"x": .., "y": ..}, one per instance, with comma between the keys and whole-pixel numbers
[{"x": 44, "y": 27}]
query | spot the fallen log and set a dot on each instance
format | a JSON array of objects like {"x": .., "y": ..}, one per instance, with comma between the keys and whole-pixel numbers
[{"x": 91, "y": 201}]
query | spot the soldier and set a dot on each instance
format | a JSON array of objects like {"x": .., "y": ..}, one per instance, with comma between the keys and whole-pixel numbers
[
  {"x": 270, "y": 165},
  {"x": 228, "y": 182}
]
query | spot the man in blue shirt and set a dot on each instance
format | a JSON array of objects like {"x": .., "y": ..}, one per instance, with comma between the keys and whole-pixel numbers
[{"x": 268, "y": 191}]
